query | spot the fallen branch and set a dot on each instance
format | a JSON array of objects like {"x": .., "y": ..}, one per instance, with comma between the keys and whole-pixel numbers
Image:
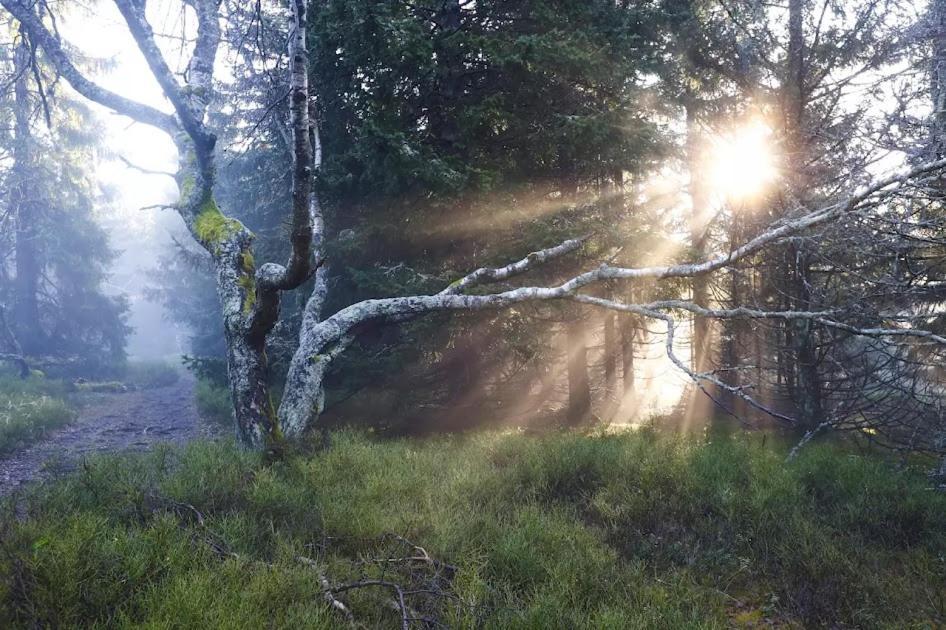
[{"x": 327, "y": 592}]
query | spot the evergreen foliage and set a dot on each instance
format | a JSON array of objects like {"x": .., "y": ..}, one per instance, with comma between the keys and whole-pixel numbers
[{"x": 51, "y": 168}]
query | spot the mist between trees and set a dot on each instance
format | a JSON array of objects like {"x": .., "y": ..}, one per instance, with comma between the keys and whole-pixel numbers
[{"x": 752, "y": 192}]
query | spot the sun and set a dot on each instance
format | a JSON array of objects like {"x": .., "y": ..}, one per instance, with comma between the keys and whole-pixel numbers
[{"x": 742, "y": 162}]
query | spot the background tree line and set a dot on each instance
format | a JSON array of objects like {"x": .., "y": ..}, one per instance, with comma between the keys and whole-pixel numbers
[{"x": 451, "y": 133}]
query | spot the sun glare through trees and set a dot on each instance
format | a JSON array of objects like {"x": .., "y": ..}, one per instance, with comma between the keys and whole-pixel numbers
[
  {"x": 743, "y": 162},
  {"x": 472, "y": 314}
]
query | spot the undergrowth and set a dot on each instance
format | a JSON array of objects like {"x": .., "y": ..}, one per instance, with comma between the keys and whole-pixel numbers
[
  {"x": 151, "y": 374},
  {"x": 30, "y": 407},
  {"x": 213, "y": 402},
  {"x": 612, "y": 531}
]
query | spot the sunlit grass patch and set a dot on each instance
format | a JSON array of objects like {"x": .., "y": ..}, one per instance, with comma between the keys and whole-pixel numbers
[{"x": 500, "y": 530}]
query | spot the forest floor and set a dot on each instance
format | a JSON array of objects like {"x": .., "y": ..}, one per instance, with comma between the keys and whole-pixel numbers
[
  {"x": 487, "y": 530},
  {"x": 106, "y": 423}
]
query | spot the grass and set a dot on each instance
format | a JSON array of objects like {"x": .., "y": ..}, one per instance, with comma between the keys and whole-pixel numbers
[
  {"x": 213, "y": 402},
  {"x": 29, "y": 408},
  {"x": 623, "y": 531}
]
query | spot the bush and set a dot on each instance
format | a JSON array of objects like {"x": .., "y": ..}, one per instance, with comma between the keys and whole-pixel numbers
[
  {"x": 213, "y": 402},
  {"x": 29, "y": 408},
  {"x": 210, "y": 369},
  {"x": 660, "y": 532}
]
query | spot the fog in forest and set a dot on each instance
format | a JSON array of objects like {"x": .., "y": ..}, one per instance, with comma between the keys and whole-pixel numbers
[
  {"x": 472, "y": 313},
  {"x": 139, "y": 230}
]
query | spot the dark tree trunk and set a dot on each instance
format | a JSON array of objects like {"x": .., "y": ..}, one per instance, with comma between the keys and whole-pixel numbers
[
  {"x": 808, "y": 390},
  {"x": 26, "y": 319},
  {"x": 628, "y": 335},
  {"x": 449, "y": 80},
  {"x": 733, "y": 344},
  {"x": 699, "y": 194},
  {"x": 14, "y": 353},
  {"x": 610, "y": 353},
  {"x": 579, "y": 389},
  {"x": 613, "y": 192},
  {"x": 938, "y": 93},
  {"x": 462, "y": 370}
]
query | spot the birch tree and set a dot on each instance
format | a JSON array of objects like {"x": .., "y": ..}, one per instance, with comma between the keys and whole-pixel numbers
[{"x": 250, "y": 293}]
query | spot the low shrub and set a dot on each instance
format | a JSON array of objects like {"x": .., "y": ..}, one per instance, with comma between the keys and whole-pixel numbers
[{"x": 213, "y": 402}]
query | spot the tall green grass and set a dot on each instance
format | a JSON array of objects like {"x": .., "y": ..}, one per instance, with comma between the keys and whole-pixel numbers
[
  {"x": 29, "y": 408},
  {"x": 621, "y": 531},
  {"x": 213, "y": 402}
]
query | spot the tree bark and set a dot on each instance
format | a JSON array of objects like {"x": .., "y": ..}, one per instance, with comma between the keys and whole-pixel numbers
[
  {"x": 628, "y": 338},
  {"x": 15, "y": 353},
  {"x": 579, "y": 388},
  {"x": 937, "y": 21},
  {"x": 448, "y": 82},
  {"x": 610, "y": 353},
  {"x": 26, "y": 317},
  {"x": 700, "y": 198},
  {"x": 808, "y": 390}
]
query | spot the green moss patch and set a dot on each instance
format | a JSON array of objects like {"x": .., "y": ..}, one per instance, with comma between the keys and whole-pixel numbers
[{"x": 212, "y": 227}]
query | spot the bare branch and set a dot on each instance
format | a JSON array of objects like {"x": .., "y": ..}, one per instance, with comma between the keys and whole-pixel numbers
[
  {"x": 191, "y": 118},
  {"x": 327, "y": 591},
  {"x": 821, "y": 317},
  {"x": 141, "y": 169},
  {"x": 309, "y": 363},
  {"x": 485, "y": 274},
  {"x": 22, "y": 11}
]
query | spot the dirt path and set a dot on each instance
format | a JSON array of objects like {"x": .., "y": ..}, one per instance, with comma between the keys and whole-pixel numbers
[{"x": 107, "y": 423}]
